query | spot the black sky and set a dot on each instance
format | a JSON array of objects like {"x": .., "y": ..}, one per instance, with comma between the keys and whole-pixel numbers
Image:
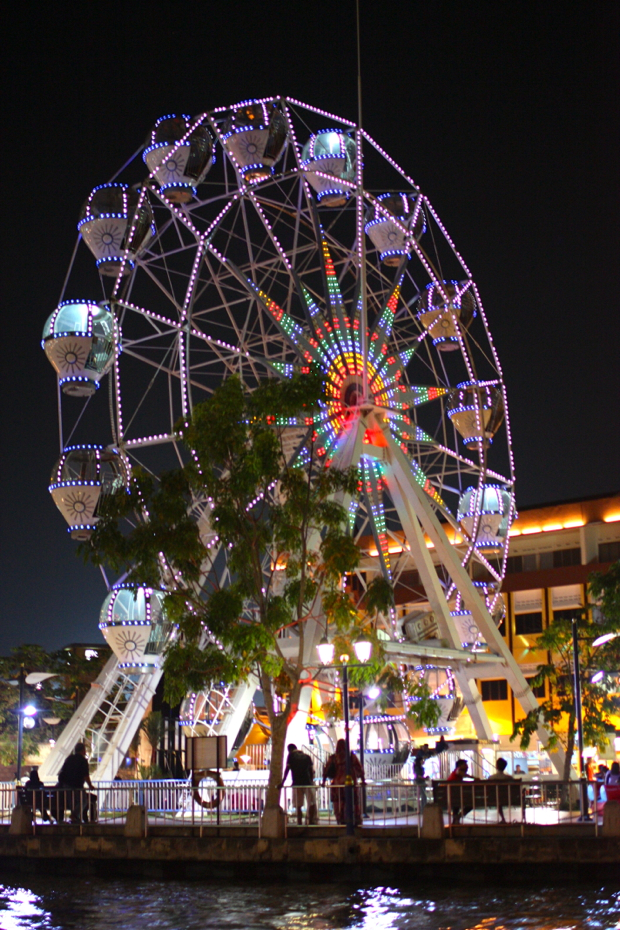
[{"x": 506, "y": 114}]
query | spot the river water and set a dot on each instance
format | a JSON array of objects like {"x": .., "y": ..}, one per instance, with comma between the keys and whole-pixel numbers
[{"x": 85, "y": 904}]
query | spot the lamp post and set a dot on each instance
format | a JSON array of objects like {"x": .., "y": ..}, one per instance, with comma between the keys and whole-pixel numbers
[
  {"x": 599, "y": 641},
  {"x": 20, "y": 723},
  {"x": 25, "y": 714},
  {"x": 372, "y": 696},
  {"x": 363, "y": 650},
  {"x": 583, "y": 787}
]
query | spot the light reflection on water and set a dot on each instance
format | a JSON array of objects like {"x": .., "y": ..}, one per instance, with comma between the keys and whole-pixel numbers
[{"x": 94, "y": 904}]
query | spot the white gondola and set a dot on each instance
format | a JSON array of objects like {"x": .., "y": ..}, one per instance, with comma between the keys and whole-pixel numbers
[
  {"x": 116, "y": 222},
  {"x": 393, "y": 223},
  {"x": 81, "y": 339},
  {"x": 486, "y": 511},
  {"x": 467, "y": 629},
  {"x": 477, "y": 412},
  {"x": 81, "y": 477},
  {"x": 445, "y": 309},
  {"x": 329, "y": 157},
  {"x": 254, "y": 135},
  {"x": 134, "y": 624},
  {"x": 179, "y": 154}
]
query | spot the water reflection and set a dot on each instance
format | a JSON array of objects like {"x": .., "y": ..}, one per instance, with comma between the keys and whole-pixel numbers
[
  {"x": 19, "y": 908},
  {"x": 66, "y": 904}
]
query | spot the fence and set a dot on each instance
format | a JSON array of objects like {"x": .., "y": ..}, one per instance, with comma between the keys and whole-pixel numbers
[{"x": 240, "y": 801}]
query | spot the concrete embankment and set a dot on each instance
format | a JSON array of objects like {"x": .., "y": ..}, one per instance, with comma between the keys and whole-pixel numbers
[{"x": 371, "y": 855}]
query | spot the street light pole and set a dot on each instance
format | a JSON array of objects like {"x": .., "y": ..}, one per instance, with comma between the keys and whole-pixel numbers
[
  {"x": 363, "y": 650},
  {"x": 577, "y": 692},
  {"x": 361, "y": 725},
  {"x": 20, "y": 723},
  {"x": 583, "y": 788},
  {"x": 348, "y": 781}
]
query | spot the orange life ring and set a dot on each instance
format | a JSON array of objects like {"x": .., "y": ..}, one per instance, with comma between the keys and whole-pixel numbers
[{"x": 197, "y": 775}]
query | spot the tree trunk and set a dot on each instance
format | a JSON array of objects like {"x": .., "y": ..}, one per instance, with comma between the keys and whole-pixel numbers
[
  {"x": 570, "y": 742},
  {"x": 279, "y": 726},
  {"x": 273, "y": 816}
]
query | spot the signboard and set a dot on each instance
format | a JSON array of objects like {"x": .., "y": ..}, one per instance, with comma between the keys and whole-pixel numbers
[{"x": 206, "y": 752}]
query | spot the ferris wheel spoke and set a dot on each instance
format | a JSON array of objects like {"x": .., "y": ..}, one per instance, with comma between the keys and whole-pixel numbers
[{"x": 371, "y": 479}]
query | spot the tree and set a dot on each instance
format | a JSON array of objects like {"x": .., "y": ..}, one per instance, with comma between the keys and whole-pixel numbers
[
  {"x": 605, "y": 591},
  {"x": 599, "y": 699},
  {"x": 55, "y": 697},
  {"x": 153, "y": 728},
  {"x": 238, "y": 612}
]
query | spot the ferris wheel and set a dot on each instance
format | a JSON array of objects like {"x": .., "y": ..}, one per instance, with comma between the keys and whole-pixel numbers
[{"x": 265, "y": 238}]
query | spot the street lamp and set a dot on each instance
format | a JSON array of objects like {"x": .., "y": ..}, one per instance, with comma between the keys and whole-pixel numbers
[
  {"x": 363, "y": 650},
  {"x": 605, "y": 638},
  {"x": 583, "y": 789},
  {"x": 26, "y": 713}
]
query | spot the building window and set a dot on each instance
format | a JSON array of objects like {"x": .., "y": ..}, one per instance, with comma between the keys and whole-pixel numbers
[
  {"x": 538, "y": 690},
  {"x": 494, "y": 689},
  {"x": 542, "y": 561},
  {"x": 546, "y": 560},
  {"x": 567, "y": 614},
  {"x": 607, "y": 552},
  {"x": 562, "y": 557},
  {"x": 529, "y": 623}
]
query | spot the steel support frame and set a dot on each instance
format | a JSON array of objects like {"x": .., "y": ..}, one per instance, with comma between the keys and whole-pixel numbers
[{"x": 417, "y": 515}]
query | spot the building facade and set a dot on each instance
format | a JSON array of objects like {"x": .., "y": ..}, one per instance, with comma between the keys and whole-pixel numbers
[{"x": 553, "y": 551}]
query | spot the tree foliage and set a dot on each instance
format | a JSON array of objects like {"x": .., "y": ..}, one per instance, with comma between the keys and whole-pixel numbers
[
  {"x": 54, "y": 698},
  {"x": 599, "y": 700},
  {"x": 237, "y": 611}
]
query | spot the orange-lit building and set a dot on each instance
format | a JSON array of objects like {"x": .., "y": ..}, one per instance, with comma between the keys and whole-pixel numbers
[{"x": 553, "y": 551}]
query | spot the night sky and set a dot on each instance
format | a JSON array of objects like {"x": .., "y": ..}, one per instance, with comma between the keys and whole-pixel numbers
[{"x": 505, "y": 114}]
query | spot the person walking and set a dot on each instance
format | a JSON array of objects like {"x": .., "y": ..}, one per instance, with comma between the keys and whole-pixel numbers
[
  {"x": 336, "y": 770},
  {"x": 299, "y": 764}
]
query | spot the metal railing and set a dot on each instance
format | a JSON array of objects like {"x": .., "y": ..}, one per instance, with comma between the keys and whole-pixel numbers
[
  {"x": 240, "y": 801},
  {"x": 544, "y": 803}
]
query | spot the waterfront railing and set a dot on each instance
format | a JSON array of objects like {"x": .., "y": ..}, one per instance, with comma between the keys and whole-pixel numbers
[{"x": 390, "y": 803}]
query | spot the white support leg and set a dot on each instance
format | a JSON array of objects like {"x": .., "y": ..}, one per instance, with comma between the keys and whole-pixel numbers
[
  {"x": 436, "y": 597},
  {"x": 450, "y": 558},
  {"x": 119, "y": 744},
  {"x": 75, "y": 729},
  {"x": 233, "y": 719}
]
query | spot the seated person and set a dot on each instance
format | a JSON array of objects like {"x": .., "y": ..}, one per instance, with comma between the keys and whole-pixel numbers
[
  {"x": 612, "y": 783},
  {"x": 35, "y": 796},
  {"x": 500, "y": 774},
  {"x": 455, "y": 796}
]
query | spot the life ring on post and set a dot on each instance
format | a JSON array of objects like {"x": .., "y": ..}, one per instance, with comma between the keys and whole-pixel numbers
[{"x": 197, "y": 776}]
